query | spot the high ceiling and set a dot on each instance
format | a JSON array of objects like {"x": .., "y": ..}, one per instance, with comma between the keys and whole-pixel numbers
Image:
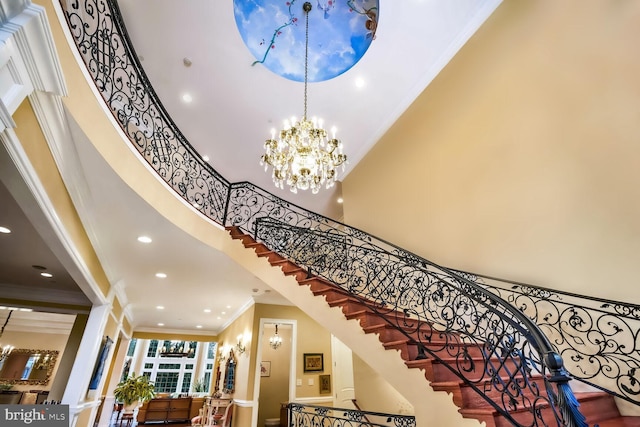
[{"x": 234, "y": 106}]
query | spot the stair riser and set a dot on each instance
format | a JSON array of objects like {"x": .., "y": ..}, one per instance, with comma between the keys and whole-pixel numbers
[
  {"x": 288, "y": 267},
  {"x": 469, "y": 398},
  {"x": 437, "y": 371},
  {"x": 594, "y": 410}
]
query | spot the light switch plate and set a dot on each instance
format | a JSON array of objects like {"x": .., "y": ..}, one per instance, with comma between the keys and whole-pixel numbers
[
  {"x": 310, "y": 381},
  {"x": 299, "y": 382}
]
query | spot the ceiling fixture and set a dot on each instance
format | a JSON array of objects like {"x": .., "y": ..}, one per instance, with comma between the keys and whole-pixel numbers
[
  {"x": 276, "y": 340},
  {"x": 175, "y": 349},
  {"x": 5, "y": 350},
  {"x": 303, "y": 157}
]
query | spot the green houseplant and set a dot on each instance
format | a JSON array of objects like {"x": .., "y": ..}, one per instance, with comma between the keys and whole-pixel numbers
[{"x": 134, "y": 390}]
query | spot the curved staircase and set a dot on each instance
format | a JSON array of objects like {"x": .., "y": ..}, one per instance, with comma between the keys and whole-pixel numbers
[{"x": 411, "y": 339}]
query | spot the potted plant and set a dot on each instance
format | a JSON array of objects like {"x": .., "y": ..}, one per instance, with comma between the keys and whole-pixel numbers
[{"x": 134, "y": 390}]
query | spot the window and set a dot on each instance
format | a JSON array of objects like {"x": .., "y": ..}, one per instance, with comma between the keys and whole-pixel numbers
[
  {"x": 153, "y": 348},
  {"x": 207, "y": 381},
  {"x": 169, "y": 366},
  {"x": 166, "y": 382},
  {"x": 132, "y": 347},
  {"x": 177, "y": 374},
  {"x": 211, "y": 350},
  {"x": 186, "y": 382}
]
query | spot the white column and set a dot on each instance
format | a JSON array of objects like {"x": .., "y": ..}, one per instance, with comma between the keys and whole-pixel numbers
[
  {"x": 201, "y": 360},
  {"x": 75, "y": 394},
  {"x": 138, "y": 357}
]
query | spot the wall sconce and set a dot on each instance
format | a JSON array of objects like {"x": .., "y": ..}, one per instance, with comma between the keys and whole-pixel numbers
[
  {"x": 240, "y": 347},
  {"x": 221, "y": 356}
]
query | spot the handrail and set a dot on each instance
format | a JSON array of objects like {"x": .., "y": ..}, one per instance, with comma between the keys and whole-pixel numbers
[
  {"x": 365, "y": 418},
  {"x": 101, "y": 38}
]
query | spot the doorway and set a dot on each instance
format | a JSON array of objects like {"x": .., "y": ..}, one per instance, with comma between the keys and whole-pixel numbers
[{"x": 275, "y": 368}]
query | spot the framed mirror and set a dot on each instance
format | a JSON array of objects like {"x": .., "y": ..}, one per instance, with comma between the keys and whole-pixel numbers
[{"x": 28, "y": 366}]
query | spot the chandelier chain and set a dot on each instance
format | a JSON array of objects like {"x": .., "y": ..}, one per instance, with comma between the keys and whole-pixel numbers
[{"x": 307, "y": 9}]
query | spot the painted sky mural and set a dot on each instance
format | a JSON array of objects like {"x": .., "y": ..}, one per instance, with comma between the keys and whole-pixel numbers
[{"x": 340, "y": 32}]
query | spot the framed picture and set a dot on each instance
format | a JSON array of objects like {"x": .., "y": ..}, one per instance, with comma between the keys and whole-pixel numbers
[
  {"x": 325, "y": 384},
  {"x": 265, "y": 369},
  {"x": 100, "y": 363},
  {"x": 313, "y": 362}
]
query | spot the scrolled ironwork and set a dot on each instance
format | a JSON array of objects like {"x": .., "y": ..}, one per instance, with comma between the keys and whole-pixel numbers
[
  {"x": 493, "y": 347},
  {"x": 486, "y": 330},
  {"x": 312, "y": 416},
  {"x": 598, "y": 340}
]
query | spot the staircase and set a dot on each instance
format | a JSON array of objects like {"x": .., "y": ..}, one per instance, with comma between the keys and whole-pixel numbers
[{"x": 414, "y": 340}]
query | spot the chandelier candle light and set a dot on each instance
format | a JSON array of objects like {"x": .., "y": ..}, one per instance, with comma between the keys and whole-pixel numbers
[
  {"x": 276, "y": 340},
  {"x": 303, "y": 156}
]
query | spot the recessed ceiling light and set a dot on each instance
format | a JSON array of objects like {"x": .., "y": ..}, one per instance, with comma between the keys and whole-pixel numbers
[
  {"x": 144, "y": 239},
  {"x": 161, "y": 275},
  {"x": 340, "y": 200},
  {"x": 224, "y": 312},
  {"x": 199, "y": 326},
  {"x": 218, "y": 317},
  {"x": 228, "y": 306},
  {"x": 360, "y": 82},
  {"x": 26, "y": 309},
  {"x": 160, "y": 324},
  {"x": 45, "y": 274},
  {"x": 207, "y": 310},
  {"x": 187, "y": 98},
  {"x": 160, "y": 307},
  {"x": 5, "y": 230},
  {"x": 205, "y": 158}
]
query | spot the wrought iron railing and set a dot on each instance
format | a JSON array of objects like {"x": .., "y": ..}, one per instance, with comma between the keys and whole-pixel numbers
[
  {"x": 312, "y": 416},
  {"x": 598, "y": 339},
  {"x": 496, "y": 347}
]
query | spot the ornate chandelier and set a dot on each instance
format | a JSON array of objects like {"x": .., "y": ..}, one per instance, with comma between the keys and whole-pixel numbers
[
  {"x": 303, "y": 156},
  {"x": 276, "y": 340},
  {"x": 175, "y": 349}
]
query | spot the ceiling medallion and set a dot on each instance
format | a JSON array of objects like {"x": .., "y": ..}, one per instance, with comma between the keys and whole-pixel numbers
[{"x": 303, "y": 156}]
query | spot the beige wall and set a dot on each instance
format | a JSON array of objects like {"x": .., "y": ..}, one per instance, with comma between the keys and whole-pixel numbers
[
  {"x": 521, "y": 160},
  {"x": 374, "y": 393}
]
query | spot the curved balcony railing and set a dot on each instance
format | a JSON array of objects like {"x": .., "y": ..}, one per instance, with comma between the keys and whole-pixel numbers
[
  {"x": 476, "y": 323},
  {"x": 300, "y": 415}
]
